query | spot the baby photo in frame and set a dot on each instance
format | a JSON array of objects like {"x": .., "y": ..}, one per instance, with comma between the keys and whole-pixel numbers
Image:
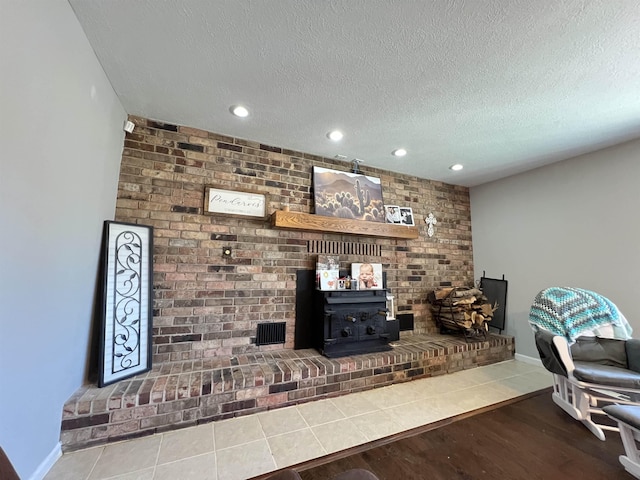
[{"x": 367, "y": 276}]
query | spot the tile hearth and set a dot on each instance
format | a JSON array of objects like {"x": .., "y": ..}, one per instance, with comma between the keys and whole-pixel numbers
[
  {"x": 185, "y": 394},
  {"x": 245, "y": 447}
]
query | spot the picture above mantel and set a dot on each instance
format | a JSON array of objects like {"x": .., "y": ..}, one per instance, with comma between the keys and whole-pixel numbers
[{"x": 320, "y": 223}]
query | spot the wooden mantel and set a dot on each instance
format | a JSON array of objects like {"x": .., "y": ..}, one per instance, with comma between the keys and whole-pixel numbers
[{"x": 320, "y": 223}]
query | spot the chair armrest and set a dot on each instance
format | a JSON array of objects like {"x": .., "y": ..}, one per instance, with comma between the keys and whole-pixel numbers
[
  {"x": 549, "y": 353},
  {"x": 632, "y": 347},
  {"x": 562, "y": 346}
]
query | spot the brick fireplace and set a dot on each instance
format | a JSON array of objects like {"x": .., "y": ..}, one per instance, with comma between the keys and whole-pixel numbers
[{"x": 207, "y": 305}]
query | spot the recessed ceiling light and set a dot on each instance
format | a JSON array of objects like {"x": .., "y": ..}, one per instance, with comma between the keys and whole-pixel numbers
[
  {"x": 456, "y": 167},
  {"x": 239, "y": 111},
  {"x": 335, "y": 135},
  {"x": 399, "y": 152}
]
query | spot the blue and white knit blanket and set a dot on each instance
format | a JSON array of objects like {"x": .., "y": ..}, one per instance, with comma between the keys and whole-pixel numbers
[{"x": 572, "y": 312}]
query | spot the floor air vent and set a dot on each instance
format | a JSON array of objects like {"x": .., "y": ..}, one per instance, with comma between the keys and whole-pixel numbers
[{"x": 270, "y": 333}]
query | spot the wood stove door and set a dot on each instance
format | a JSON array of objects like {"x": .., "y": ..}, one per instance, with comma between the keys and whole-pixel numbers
[{"x": 349, "y": 323}]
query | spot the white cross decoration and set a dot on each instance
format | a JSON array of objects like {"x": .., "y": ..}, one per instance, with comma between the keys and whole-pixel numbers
[{"x": 431, "y": 221}]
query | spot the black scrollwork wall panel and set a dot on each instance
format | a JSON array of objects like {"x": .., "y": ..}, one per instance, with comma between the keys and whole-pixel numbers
[{"x": 126, "y": 275}]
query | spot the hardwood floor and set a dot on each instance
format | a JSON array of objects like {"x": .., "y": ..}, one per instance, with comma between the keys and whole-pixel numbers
[{"x": 529, "y": 439}]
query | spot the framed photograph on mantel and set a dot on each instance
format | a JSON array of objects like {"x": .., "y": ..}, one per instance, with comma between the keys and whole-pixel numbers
[
  {"x": 392, "y": 214},
  {"x": 406, "y": 216},
  {"x": 125, "y": 308},
  {"x": 243, "y": 203},
  {"x": 347, "y": 195}
]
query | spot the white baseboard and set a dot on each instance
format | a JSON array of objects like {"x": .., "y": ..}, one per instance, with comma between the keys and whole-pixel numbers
[
  {"x": 47, "y": 463},
  {"x": 530, "y": 360}
]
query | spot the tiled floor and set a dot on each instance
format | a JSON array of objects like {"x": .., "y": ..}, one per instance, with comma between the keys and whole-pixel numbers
[{"x": 243, "y": 447}]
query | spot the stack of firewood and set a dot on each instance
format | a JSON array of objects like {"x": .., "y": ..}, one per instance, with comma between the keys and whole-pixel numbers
[{"x": 461, "y": 308}]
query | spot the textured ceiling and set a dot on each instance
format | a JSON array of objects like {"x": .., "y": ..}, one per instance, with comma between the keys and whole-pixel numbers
[{"x": 501, "y": 86}]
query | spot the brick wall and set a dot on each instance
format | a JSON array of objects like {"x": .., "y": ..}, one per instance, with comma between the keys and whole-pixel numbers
[{"x": 207, "y": 305}]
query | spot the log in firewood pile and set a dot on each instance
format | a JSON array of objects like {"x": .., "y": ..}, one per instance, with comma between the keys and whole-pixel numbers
[{"x": 461, "y": 308}]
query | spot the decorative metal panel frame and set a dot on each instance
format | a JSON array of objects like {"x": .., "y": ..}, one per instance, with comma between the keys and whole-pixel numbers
[{"x": 126, "y": 301}]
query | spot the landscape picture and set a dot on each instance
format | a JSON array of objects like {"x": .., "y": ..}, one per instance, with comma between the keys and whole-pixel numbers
[{"x": 347, "y": 195}]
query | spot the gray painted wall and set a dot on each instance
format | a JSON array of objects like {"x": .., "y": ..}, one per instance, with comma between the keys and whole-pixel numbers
[
  {"x": 61, "y": 136},
  {"x": 574, "y": 223}
]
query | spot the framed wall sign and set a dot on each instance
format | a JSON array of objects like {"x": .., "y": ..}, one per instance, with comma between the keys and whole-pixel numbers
[
  {"x": 235, "y": 202},
  {"x": 126, "y": 314}
]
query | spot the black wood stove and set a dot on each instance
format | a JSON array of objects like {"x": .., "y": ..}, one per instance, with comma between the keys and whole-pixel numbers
[{"x": 350, "y": 322}]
